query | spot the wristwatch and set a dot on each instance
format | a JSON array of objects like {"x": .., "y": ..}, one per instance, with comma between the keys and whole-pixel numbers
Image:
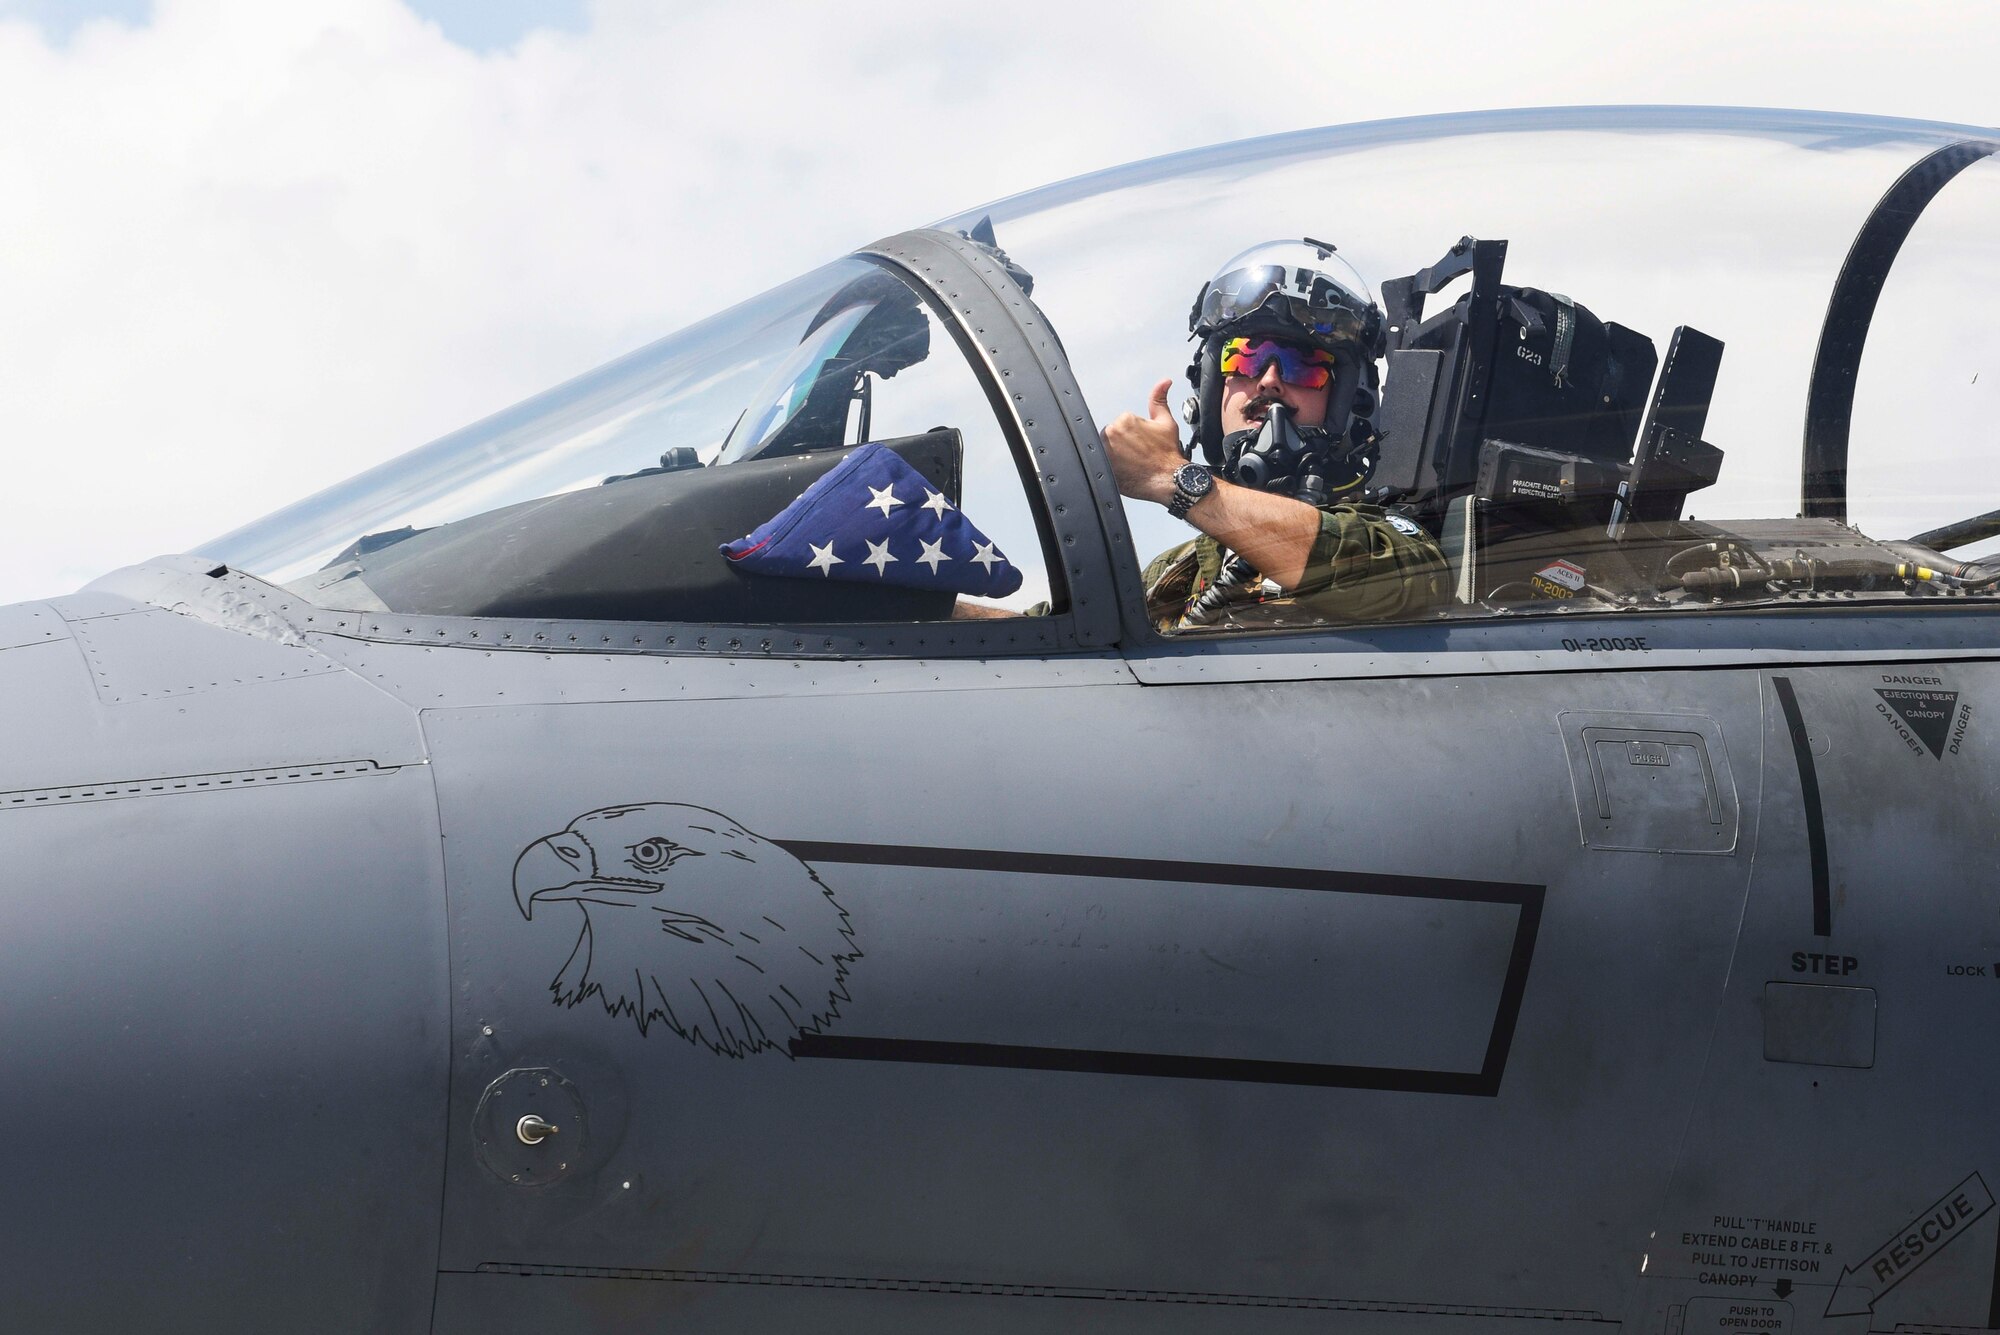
[{"x": 1191, "y": 483}]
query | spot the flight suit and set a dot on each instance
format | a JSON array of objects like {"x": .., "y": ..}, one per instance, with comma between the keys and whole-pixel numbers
[{"x": 1366, "y": 565}]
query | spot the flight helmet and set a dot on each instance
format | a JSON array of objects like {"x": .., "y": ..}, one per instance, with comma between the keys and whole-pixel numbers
[{"x": 1302, "y": 293}]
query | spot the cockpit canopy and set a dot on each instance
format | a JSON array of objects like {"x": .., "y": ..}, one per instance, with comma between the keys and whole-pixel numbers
[{"x": 1662, "y": 276}]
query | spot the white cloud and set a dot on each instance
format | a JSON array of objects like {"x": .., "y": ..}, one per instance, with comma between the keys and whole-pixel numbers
[{"x": 249, "y": 249}]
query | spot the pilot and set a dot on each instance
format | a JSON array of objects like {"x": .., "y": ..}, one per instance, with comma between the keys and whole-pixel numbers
[{"x": 1284, "y": 374}]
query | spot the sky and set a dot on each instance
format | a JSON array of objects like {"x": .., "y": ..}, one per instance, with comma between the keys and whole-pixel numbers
[{"x": 249, "y": 249}]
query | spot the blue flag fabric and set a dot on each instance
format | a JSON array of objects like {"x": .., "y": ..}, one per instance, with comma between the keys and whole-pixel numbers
[{"x": 873, "y": 519}]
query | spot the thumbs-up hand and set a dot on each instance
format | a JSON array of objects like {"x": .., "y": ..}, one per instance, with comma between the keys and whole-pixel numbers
[{"x": 1145, "y": 451}]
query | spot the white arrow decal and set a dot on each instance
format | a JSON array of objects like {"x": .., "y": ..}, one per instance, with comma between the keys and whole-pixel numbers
[{"x": 1862, "y": 1286}]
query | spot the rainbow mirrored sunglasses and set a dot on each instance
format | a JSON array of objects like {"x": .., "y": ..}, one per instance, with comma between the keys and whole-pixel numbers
[{"x": 1306, "y": 368}]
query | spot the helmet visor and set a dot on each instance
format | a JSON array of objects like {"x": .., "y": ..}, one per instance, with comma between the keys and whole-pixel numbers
[
  {"x": 1319, "y": 306},
  {"x": 1314, "y": 290}
]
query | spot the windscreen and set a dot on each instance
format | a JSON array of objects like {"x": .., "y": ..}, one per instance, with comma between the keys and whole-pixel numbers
[
  {"x": 672, "y": 485},
  {"x": 685, "y": 391}
]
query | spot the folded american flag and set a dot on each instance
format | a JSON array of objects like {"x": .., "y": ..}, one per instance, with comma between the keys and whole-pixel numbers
[{"x": 874, "y": 519}]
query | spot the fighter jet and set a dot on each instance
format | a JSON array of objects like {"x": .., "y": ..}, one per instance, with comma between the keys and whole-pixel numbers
[{"x": 749, "y": 840}]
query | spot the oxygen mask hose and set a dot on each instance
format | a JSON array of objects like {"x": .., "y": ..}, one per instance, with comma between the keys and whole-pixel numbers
[
  {"x": 1236, "y": 578},
  {"x": 1312, "y": 487}
]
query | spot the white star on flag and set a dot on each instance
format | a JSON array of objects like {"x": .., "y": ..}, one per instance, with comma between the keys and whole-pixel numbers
[
  {"x": 937, "y": 505},
  {"x": 984, "y": 555},
  {"x": 884, "y": 498},
  {"x": 933, "y": 553},
  {"x": 823, "y": 559},
  {"x": 878, "y": 553}
]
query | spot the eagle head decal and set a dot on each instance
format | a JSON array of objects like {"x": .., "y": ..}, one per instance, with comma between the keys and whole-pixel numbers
[{"x": 690, "y": 920}]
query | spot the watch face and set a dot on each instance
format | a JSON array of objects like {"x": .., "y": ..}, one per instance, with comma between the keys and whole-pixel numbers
[{"x": 1194, "y": 479}]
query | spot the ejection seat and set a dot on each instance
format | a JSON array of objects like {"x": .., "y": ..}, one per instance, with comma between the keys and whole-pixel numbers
[{"x": 1517, "y": 427}]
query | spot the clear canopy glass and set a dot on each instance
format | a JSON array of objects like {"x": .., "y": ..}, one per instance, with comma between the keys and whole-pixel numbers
[{"x": 1733, "y": 223}]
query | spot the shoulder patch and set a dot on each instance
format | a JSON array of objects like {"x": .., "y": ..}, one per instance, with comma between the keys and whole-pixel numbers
[{"x": 1407, "y": 527}]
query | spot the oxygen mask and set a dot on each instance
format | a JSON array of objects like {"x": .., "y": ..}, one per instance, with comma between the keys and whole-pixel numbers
[{"x": 1279, "y": 455}]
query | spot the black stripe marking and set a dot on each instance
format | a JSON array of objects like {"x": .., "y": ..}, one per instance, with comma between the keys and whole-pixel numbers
[
  {"x": 1993, "y": 1301},
  {"x": 1150, "y": 869},
  {"x": 1484, "y": 1083},
  {"x": 1092, "y": 1061},
  {"x": 1795, "y": 723}
]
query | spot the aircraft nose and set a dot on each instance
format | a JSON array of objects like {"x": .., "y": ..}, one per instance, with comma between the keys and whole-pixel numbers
[{"x": 548, "y": 864}]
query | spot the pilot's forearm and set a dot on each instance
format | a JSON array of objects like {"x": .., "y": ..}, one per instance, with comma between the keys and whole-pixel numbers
[{"x": 1273, "y": 533}]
